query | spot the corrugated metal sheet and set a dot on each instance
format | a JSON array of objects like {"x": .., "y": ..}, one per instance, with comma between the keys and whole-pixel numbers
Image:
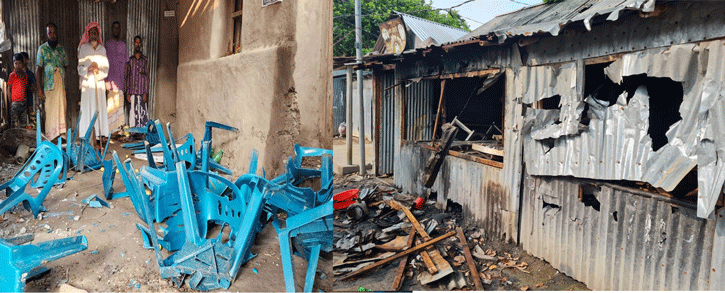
[
  {"x": 143, "y": 19},
  {"x": 386, "y": 128},
  {"x": 24, "y": 27},
  {"x": 552, "y": 18},
  {"x": 420, "y": 110},
  {"x": 424, "y": 29},
  {"x": 464, "y": 59},
  {"x": 636, "y": 241},
  {"x": 475, "y": 186},
  {"x": 89, "y": 11},
  {"x": 681, "y": 23},
  {"x": 339, "y": 93},
  {"x": 617, "y": 146}
]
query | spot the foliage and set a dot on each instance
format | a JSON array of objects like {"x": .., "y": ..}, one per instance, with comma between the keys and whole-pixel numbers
[{"x": 378, "y": 11}]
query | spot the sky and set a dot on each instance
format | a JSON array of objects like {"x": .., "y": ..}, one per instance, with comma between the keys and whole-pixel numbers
[{"x": 479, "y": 12}]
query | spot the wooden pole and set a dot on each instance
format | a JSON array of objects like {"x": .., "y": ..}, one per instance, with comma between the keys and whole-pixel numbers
[
  {"x": 397, "y": 256},
  {"x": 469, "y": 259},
  {"x": 438, "y": 113}
]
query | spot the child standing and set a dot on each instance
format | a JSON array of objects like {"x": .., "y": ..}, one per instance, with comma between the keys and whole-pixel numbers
[
  {"x": 29, "y": 96},
  {"x": 18, "y": 82}
]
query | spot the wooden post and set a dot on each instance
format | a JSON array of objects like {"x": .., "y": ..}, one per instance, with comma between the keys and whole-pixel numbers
[
  {"x": 438, "y": 112},
  {"x": 469, "y": 259}
]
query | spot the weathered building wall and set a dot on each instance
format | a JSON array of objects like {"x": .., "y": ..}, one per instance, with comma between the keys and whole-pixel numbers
[
  {"x": 475, "y": 186},
  {"x": 277, "y": 90},
  {"x": 632, "y": 241},
  {"x": 168, "y": 48}
]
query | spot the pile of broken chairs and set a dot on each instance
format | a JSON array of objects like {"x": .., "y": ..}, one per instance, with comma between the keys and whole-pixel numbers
[
  {"x": 184, "y": 193},
  {"x": 376, "y": 227},
  {"x": 45, "y": 168}
]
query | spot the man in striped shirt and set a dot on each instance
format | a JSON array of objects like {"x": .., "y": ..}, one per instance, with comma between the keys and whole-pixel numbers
[{"x": 136, "y": 85}]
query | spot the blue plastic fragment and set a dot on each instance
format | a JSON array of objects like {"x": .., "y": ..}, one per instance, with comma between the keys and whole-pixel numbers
[
  {"x": 131, "y": 282},
  {"x": 125, "y": 214},
  {"x": 57, "y": 214},
  {"x": 22, "y": 262},
  {"x": 94, "y": 252},
  {"x": 95, "y": 224},
  {"x": 255, "y": 271},
  {"x": 95, "y": 202}
]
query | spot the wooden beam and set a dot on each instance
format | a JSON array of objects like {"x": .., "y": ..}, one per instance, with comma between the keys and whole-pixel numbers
[
  {"x": 237, "y": 14},
  {"x": 603, "y": 59},
  {"x": 467, "y": 157},
  {"x": 465, "y": 74},
  {"x": 469, "y": 260},
  {"x": 399, "y": 277},
  {"x": 438, "y": 113},
  {"x": 397, "y": 256},
  {"x": 486, "y": 150},
  {"x": 423, "y": 254}
]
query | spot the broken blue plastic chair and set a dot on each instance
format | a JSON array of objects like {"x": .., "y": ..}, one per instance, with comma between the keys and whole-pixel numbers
[
  {"x": 22, "y": 262},
  {"x": 82, "y": 155},
  {"x": 46, "y": 156},
  {"x": 311, "y": 230},
  {"x": 47, "y": 171}
]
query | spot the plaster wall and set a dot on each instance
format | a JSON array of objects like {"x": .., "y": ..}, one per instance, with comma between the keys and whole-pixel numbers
[{"x": 277, "y": 90}]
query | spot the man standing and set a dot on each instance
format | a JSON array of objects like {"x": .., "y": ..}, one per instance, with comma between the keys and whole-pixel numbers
[
  {"x": 51, "y": 62},
  {"x": 137, "y": 84},
  {"x": 93, "y": 69},
  {"x": 117, "y": 54}
]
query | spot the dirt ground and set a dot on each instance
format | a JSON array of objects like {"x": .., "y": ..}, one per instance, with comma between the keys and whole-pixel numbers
[
  {"x": 536, "y": 275},
  {"x": 115, "y": 259}
]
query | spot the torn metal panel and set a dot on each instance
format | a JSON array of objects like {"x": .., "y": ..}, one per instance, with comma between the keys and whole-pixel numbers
[
  {"x": 537, "y": 83},
  {"x": 636, "y": 241},
  {"x": 552, "y": 18},
  {"x": 682, "y": 22},
  {"x": 617, "y": 147}
]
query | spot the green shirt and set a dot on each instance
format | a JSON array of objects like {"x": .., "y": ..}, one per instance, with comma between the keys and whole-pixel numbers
[{"x": 50, "y": 59}]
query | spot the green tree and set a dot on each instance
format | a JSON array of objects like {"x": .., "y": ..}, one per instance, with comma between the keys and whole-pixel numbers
[{"x": 378, "y": 11}]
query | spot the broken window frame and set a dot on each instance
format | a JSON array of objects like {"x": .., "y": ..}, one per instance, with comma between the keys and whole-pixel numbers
[
  {"x": 236, "y": 24},
  {"x": 441, "y": 117}
]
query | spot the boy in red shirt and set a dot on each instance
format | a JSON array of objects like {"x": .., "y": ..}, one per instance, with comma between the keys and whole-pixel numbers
[{"x": 18, "y": 82}]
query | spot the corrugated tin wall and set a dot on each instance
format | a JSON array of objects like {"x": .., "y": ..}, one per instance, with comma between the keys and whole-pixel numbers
[
  {"x": 89, "y": 11},
  {"x": 386, "y": 129},
  {"x": 636, "y": 241},
  {"x": 420, "y": 110},
  {"x": 339, "y": 106},
  {"x": 473, "y": 185},
  {"x": 143, "y": 20},
  {"x": 22, "y": 19}
]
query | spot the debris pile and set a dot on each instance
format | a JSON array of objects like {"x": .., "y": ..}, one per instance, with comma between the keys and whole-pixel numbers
[
  {"x": 183, "y": 193},
  {"x": 376, "y": 225}
]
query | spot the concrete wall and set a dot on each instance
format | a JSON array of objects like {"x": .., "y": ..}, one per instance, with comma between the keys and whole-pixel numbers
[
  {"x": 165, "y": 108},
  {"x": 277, "y": 90}
]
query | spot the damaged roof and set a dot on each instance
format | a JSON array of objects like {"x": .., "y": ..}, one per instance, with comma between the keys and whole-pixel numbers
[
  {"x": 425, "y": 29},
  {"x": 552, "y": 18}
]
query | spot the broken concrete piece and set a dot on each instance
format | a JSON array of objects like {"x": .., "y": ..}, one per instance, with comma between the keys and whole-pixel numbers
[
  {"x": 65, "y": 288},
  {"x": 396, "y": 227}
]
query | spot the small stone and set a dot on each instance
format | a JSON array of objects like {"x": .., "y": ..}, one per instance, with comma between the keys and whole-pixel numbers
[
  {"x": 23, "y": 230},
  {"x": 76, "y": 218}
]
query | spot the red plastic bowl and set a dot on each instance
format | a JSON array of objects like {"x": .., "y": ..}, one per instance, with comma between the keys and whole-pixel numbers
[{"x": 344, "y": 199}]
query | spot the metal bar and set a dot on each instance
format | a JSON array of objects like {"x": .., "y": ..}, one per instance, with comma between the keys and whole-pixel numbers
[
  {"x": 469, "y": 260},
  {"x": 397, "y": 256},
  {"x": 348, "y": 120},
  {"x": 399, "y": 278}
]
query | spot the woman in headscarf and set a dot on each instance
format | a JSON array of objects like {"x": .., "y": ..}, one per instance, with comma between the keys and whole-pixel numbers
[{"x": 93, "y": 69}]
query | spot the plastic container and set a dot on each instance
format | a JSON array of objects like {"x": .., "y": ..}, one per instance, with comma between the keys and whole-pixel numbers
[{"x": 344, "y": 199}]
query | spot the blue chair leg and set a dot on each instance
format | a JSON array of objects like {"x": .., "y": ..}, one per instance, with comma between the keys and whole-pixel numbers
[
  {"x": 312, "y": 267},
  {"x": 285, "y": 252}
]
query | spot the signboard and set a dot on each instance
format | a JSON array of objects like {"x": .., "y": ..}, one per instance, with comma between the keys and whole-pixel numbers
[
  {"x": 393, "y": 33},
  {"x": 270, "y": 2}
]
